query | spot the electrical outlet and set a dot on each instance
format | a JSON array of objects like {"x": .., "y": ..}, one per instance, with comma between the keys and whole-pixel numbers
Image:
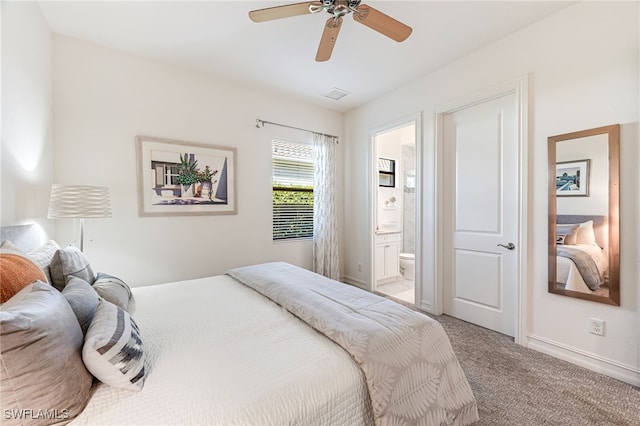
[
  {"x": 596, "y": 326},
  {"x": 359, "y": 267}
]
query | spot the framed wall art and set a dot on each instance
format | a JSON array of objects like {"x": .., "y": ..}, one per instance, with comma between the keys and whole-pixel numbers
[
  {"x": 184, "y": 178},
  {"x": 572, "y": 178}
]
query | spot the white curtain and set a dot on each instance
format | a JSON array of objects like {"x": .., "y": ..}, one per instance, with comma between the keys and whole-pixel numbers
[{"x": 326, "y": 260}]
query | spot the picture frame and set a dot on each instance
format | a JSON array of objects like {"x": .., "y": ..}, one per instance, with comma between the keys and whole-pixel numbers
[
  {"x": 179, "y": 178},
  {"x": 572, "y": 178}
]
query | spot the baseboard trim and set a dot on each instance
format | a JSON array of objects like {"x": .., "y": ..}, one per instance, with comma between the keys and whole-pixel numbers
[
  {"x": 354, "y": 281},
  {"x": 617, "y": 370}
]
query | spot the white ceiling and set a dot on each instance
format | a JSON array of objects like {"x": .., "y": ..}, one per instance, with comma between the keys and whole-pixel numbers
[{"x": 219, "y": 37}]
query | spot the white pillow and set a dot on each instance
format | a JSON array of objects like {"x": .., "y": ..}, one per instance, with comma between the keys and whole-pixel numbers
[
  {"x": 569, "y": 231},
  {"x": 8, "y": 245},
  {"x": 42, "y": 257},
  {"x": 586, "y": 234},
  {"x": 577, "y": 233},
  {"x": 113, "y": 350}
]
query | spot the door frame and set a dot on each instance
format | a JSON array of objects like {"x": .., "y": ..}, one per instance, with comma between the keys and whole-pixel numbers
[
  {"x": 519, "y": 87},
  {"x": 416, "y": 120}
]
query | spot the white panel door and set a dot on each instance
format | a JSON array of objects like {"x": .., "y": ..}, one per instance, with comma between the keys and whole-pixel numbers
[{"x": 480, "y": 213}]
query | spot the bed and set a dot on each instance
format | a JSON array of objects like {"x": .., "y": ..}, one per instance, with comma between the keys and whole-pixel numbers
[
  {"x": 274, "y": 344},
  {"x": 582, "y": 261}
]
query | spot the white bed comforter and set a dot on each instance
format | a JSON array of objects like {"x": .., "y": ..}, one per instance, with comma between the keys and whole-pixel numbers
[
  {"x": 412, "y": 373},
  {"x": 218, "y": 353},
  {"x": 568, "y": 273}
]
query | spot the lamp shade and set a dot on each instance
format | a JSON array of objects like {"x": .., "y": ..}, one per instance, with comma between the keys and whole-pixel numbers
[{"x": 79, "y": 201}]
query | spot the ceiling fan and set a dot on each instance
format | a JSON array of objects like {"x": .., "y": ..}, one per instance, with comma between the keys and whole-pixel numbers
[{"x": 362, "y": 13}]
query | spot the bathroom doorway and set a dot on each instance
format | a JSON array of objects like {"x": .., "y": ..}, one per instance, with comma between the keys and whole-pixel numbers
[{"x": 395, "y": 205}]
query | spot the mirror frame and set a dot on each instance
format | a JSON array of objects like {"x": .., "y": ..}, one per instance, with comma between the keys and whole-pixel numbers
[{"x": 613, "y": 132}]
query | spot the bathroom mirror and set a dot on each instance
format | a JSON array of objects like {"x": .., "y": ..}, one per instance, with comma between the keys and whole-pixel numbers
[
  {"x": 386, "y": 172},
  {"x": 584, "y": 260}
]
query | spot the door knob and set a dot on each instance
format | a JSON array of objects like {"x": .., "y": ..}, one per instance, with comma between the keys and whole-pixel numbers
[{"x": 509, "y": 246}]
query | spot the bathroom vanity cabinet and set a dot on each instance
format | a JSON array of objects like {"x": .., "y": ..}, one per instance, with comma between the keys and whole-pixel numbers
[{"x": 387, "y": 252}]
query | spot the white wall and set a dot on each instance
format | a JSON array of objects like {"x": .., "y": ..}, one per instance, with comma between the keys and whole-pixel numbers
[
  {"x": 104, "y": 98},
  {"x": 583, "y": 70},
  {"x": 27, "y": 133}
]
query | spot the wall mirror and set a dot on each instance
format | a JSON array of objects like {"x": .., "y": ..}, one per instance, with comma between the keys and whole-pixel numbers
[{"x": 584, "y": 260}]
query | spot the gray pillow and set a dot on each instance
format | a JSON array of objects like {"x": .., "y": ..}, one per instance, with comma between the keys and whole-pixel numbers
[
  {"x": 42, "y": 367},
  {"x": 113, "y": 289},
  {"x": 83, "y": 299},
  {"x": 70, "y": 261},
  {"x": 113, "y": 350}
]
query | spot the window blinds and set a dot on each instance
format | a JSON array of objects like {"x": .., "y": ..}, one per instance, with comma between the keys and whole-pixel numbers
[{"x": 292, "y": 190}]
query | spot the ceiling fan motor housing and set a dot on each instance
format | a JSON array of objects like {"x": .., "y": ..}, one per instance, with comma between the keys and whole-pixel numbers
[{"x": 340, "y": 7}]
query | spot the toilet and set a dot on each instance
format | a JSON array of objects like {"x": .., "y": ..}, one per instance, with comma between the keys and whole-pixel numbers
[{"x": 408, "y": 265}]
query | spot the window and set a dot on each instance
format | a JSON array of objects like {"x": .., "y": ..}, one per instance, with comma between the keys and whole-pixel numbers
[
  {"x": 292, "y": 190},
  {"x": 164, "y": 177},
  {"x": 165, "y": 173}
]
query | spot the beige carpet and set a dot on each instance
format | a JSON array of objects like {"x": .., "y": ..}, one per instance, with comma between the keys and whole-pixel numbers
[{"x": 518, "y": 386}]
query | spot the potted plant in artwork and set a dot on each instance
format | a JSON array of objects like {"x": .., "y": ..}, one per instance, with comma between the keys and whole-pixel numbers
[
  {"x": 187, "y": 175},
  {"x": 205, "y": 178}
]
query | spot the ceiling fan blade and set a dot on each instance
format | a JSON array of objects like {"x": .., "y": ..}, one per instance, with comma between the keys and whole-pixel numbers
[
  {"x": 329, "y": 37},
  {"x": 384, "y": 24},
  {"x": 277, "y": 12}
]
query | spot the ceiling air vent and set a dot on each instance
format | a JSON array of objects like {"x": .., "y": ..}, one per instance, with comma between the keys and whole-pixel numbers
[{"x": 336, "y": 94}]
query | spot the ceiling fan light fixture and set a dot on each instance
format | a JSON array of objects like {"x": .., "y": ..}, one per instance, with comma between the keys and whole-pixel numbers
[{"x": 336, "y": 94}]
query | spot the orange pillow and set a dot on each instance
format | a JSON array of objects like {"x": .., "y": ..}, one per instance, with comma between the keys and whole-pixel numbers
[{"x": 17, "y": 272}]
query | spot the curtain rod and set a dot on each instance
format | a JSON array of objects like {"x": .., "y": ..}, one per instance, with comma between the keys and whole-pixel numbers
[{"x": 261, "y": 123}]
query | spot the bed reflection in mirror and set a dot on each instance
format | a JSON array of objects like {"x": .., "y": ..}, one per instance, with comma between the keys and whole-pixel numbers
[{"x": 583, "y": 214}]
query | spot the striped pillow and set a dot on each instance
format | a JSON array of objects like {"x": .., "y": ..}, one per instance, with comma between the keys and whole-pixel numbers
[
  {"x": 113, "y": 350},
  {"x": 113, "y": 289}
]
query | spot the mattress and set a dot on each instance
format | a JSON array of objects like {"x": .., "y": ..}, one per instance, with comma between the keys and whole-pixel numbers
[{"x": 218, "y": 353}]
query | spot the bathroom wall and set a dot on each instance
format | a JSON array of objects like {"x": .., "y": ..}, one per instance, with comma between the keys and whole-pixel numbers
[
  {"x": 389, "y": 215},
  {"x": 408, "y": 162}
]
